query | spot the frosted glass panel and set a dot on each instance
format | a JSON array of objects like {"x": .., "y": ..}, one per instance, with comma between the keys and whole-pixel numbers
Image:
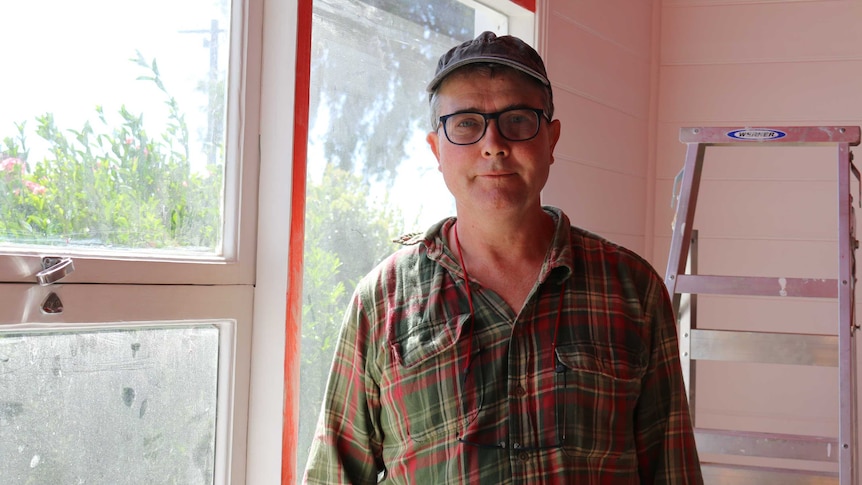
[{"x": 117, "y": 406}]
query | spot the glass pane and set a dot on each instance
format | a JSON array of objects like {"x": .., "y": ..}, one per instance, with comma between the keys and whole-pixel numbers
[
  {"x": 372, "y": 176},
  {"x": 112, "y": 130},
  {"x": 108, "y": 407}
]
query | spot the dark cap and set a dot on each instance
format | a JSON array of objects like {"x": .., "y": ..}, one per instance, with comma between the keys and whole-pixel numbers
[{"x": 488, "y": 48}]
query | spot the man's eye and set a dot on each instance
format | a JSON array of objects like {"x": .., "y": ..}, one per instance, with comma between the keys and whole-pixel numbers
[
  {"x": 516, "y": 118},
  {"x": 467, "y": 123}
]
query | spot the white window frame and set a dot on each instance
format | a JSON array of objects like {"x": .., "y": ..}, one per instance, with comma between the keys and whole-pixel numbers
[
  {"x": 19, "y": 264},
  {"x": 132, "y": 288}
]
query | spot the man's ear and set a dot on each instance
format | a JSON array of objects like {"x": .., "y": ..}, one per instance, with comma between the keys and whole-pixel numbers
[
  {"x": 433, "y": 140},
  {"x": 554, "y": 130}
]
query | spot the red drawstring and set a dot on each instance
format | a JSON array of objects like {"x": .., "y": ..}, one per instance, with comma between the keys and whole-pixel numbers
[
  {"x": 473, "y": 317},
  {"x": 469, "y": 302}
]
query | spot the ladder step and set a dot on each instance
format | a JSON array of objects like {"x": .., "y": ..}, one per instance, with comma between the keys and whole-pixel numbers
[
  {"x": 767, "y": 445},
  {"x": 757, "y": 286},
  {"x": 765, "y": 347},
  {"x": 715, "y": 474}
]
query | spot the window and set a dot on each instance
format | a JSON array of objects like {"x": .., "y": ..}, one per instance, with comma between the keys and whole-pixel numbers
[
  {"x": 113, "y": 131},
  {"x": 371, "y": 175},
  {"x": 128, "y": 154},
  {"x": 139, "y": 394}
]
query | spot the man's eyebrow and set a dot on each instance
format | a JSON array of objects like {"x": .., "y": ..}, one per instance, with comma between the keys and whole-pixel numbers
[{"x": 505, "y": 108}]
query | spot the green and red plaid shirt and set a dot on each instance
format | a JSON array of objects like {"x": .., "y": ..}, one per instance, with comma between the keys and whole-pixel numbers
[{"x": 604, "y": 404}]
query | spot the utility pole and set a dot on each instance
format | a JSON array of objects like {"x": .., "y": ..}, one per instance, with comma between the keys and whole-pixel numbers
[{"x": 215, "y": 120}]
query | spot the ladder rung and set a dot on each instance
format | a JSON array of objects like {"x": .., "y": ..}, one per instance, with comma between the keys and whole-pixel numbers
[
  {"x": 765, "y": 347},
  {"x": 714, "y": 474},
  {"x": 767, "y": 445},
  {"x": 757, "y": 286}
]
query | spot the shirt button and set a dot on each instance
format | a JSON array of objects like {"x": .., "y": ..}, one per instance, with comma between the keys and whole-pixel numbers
[
  {"x": 520, "y": 391},
  {"x": 524, "y": 456}
]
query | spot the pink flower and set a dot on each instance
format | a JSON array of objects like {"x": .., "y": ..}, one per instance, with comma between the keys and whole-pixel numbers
[
  {"x": 8, "y": 165},
  {"x": 35, "y": 188}
]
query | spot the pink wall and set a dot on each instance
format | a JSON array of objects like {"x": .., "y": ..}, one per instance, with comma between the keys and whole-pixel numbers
[
  {"x": 599, "y": 59},
  {"x": 628, "y": 74}
]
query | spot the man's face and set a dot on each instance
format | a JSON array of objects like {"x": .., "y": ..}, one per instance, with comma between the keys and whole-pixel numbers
[{"x": 494, "y": 174}]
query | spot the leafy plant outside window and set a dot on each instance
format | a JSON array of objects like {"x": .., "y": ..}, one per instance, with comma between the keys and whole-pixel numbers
[{"x": 110, "y": 186}]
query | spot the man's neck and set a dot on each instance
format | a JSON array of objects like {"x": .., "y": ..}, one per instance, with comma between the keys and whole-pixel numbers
[
  {"x": 506, "y": 258},
  {"x": 524, "y": 238}
]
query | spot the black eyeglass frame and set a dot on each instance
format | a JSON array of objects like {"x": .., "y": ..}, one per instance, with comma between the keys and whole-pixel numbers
[{"x": 540, "y": 113}]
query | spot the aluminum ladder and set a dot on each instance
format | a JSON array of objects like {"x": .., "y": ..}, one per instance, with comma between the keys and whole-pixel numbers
[{"x": 683, "y": 284}]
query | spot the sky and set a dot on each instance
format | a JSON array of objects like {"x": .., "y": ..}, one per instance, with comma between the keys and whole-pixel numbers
[{"x": 77, "y": 57}]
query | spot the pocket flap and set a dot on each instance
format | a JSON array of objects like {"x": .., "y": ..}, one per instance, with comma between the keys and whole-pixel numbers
[
  {"x": 420, "y": 340},
  {"x": 616, "y": 362}
]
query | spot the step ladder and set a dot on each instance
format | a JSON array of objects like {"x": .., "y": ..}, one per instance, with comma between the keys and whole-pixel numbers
[{"x": 684, "y": 283}]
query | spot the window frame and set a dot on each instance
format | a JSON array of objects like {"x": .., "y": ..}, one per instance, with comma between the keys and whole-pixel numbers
[
  {"x": 128, "y": 289},
  {"x": 19, "y": 264}
]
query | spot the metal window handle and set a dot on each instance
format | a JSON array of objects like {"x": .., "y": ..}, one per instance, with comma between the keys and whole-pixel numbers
[{"x": 53, "y": 270}]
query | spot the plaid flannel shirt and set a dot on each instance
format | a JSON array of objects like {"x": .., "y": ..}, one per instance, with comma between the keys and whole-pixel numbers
[{"x": 602, "y": 403}]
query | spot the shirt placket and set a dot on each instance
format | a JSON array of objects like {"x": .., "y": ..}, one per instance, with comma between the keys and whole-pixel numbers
[{"x": 524, "y": 367}]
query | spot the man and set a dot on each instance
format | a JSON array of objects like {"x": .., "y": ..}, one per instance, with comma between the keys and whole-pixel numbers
[{"x": 504, "y": 345}]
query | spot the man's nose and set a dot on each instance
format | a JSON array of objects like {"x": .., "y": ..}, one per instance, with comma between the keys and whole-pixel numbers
[{"x": 493, "y": 143}]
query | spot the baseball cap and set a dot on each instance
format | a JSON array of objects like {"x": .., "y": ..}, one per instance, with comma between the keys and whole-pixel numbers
[{"x": 488, "y": 48}]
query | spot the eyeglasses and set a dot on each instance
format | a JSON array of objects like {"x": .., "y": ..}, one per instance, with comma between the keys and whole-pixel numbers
[{"x": 518, "y": 124}]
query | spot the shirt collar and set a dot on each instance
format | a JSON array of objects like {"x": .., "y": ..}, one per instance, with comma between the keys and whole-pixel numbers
[{"x": 558, "y": 265}]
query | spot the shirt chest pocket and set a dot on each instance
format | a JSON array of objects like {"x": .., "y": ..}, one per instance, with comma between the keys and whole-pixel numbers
[
  {"x": 426, "y": 392},
  {"x": 600, "y": 392}
]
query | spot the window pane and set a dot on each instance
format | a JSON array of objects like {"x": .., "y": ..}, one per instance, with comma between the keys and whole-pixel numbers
[
  {"x": 108, "y": 407},
  {"x": 113, "y": 122},
  {"x": 372, "y": 176}
]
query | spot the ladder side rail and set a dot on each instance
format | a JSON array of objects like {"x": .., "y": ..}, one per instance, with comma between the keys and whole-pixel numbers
[
  {"x": 685, "y": 207},
  {"x": 846, "y": 388},
  {"x": 686, "y": 325}
]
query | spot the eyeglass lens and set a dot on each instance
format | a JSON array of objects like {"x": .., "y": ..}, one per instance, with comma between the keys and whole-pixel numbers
[{"x": 514, "y": 125}]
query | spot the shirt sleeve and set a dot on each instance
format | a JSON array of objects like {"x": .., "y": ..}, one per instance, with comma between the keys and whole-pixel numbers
[
  {"x": 663, "y": 428},
  {"x": 347, "y": 442}
]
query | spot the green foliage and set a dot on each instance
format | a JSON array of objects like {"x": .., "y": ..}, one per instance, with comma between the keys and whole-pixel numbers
[
  {"x": 110, "y": 185},
  {"x": 347, "y": 233}
]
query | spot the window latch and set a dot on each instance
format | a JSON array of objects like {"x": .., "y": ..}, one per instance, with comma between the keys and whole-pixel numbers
[{"x": 54, "y": 269}]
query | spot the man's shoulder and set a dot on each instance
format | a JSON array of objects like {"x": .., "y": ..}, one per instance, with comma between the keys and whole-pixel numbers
[
  {"x": 411, "y": 258},
  {"x": 594, "y": 247}
]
